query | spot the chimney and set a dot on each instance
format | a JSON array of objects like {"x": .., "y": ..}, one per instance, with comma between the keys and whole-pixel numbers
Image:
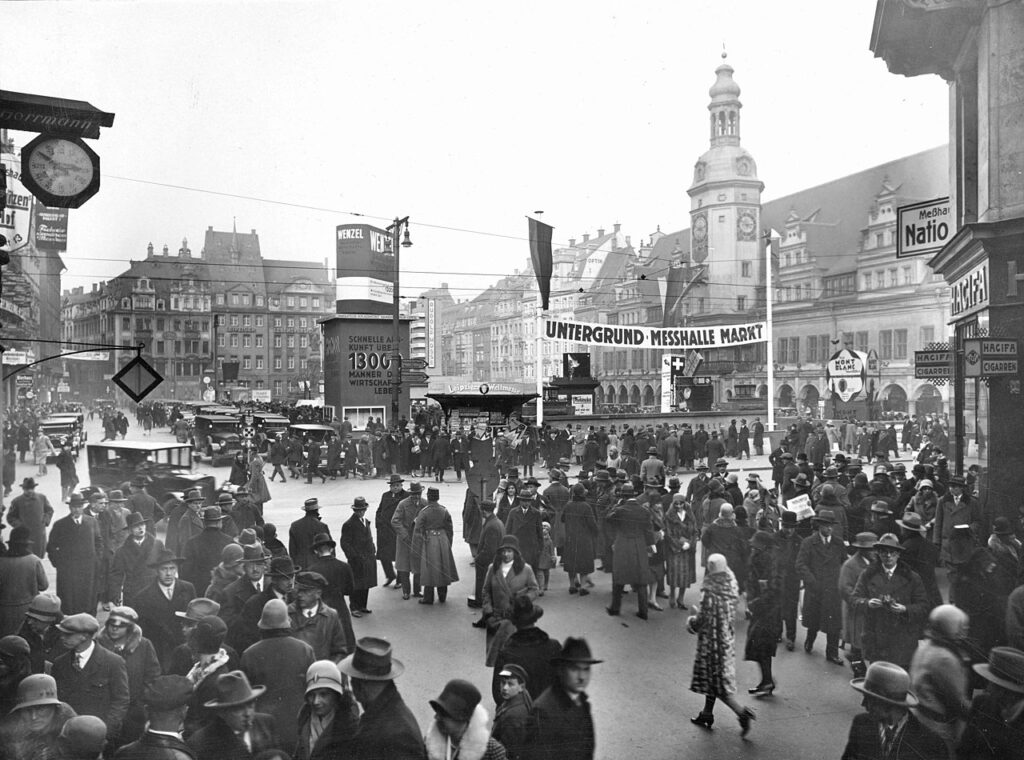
[
  {"x": 586, "y": 237},
  {"x": 95, "y": 286},
  {"x": 149, "y": 251},
  {"x": 627, "y": 238},
  {"x": 210, "y": 228},
  {"x": 254, "y": 233},
  {"x": 572, "y": 242},
  {"x": 616, "y": 227},
  {"x": 600, "y": 231}
]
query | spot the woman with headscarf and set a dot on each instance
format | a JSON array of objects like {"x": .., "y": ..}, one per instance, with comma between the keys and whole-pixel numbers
[
  {"x": 680, "y": 533},
  {"x": 122, "y": 636},
  {"x": 581, "y": 534},
  {"x": 764, "y": 602},
  {"x": 714, "y": 667}
]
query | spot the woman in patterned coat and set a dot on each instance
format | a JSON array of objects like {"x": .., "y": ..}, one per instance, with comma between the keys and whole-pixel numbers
[{"x": 714, "y": 667}]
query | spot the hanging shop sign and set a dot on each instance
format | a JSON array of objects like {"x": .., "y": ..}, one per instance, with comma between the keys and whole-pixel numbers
[{"x": 923, "y": 228}]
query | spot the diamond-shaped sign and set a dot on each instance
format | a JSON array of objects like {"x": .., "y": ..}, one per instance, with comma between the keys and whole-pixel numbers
[{"x": 137, "y": 378}]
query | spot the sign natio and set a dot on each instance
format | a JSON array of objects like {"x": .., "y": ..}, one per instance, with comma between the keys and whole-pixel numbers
[{"x": 923, "y": 227}]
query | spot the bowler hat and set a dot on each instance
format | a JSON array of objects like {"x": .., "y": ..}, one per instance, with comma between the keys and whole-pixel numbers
[
  {"x": 83, "y": 736},
  {"x": 1005, "y": 667},
  {"x": 525, "y": 612},
  {"x": 135, "y": 518},
  {"x": 309, "y": 579},
  {"x": 509, "y": 542},
  {"x": 274, "y": 616},
  {"x": 889, "y": 541},
  {"x": 575, "y": 650},
  {"x": 395, "y": 478},
  {"x": 372, "y": 661},
  {"x": 865, "y": 540},
  {"x": 359, "y": 504},
  {"x": 323, "y": 539},
  {"x": 233, "y": 690},
  {"x": 83, "y": 622},
  {"x": 165, "y": 557},
  {"x": 310, "y": 505},
  {"x": 912, "y": 521},
  {"x": 199, "y": 608},
  {"x": 324, "y": 674},
  {"x": 282, "y": 567},
  {"x": 14, "y": 646},
  {"x": 825, "y": 516},
  {"x": 44, "y": 607},
  {"x": 166, "y": 693},
  {"x": 788, "y": 517},
  {"x": 208, "y": 636},
  {"x": 36, "y": 689},
  {"x": 888, "y": 683},
  {"x": 458, "y": 700}
]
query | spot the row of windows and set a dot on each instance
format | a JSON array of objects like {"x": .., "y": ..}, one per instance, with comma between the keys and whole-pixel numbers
[
  {"x": 891, "y": 345},
  {"x": 838, "y": 286},
  {"x": 146, "y": 323},
  {"x": 246, "y": 340}
]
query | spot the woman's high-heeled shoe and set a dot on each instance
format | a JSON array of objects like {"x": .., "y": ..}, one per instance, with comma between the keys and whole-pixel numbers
[
  {"x": 704, "y": 720},
  {"x": 763, "y": 689},
  {"x": 745, "y": 718}
]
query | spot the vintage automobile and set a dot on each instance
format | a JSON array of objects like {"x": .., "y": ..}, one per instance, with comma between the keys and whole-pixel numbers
[
  {"x": 216, "y": 436},
  {"x": 64, "y": 430},
  {"x": 168, "y": 468},
  {"x": 271, "y": 425},
  {"x": 318, "y": 433}
]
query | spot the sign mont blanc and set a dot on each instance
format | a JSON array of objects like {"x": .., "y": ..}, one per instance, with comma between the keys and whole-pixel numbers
[{"x": 846, "y": 373}]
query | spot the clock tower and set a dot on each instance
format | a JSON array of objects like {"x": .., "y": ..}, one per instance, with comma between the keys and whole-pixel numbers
[{"x": 725, "y": 203}]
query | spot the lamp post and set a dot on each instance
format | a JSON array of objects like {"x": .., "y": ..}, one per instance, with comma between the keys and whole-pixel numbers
[{"x": 399, "y": 230}]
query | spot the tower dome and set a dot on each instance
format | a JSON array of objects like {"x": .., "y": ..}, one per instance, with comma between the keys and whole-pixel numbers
[{"x": 725, "y": 88}]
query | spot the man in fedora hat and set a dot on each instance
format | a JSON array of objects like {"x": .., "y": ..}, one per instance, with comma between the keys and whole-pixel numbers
[
  {"x": 34, "y": 511},
  {"x": 328, "y": 718},
  {"x": 129, "y": 570},
  {"x": 995, "y": 723},
  {"x": 565, "y": 727},
  {"x": 302, "y": 532},
  {"x": 956, "y": 507},
  {"x": 93, "y": 680},
  {"x": 652, "y": 468},
  {"x": 633, "y": 527},
  {"x": 237, "y": 731},
  {"x": 525, "y": 521},
  {"x": 139, "y": 500},
  {"x": 788, "y": 542},
  {"x": 888, "y": 727},
  {"x": 361, "y": 553},
  {"x": 819, "y": 561},
  {"x": 165, "y": 701},
  {"x": 158, "y": 602},
  {"x": 895, "y": 605},
  {"x": 203, "y": 552},
  {"x": 853, "y": 616},
  {"x": 280, "y": 582},
  {"x": 491, "y": 533},
  {"x": 252, "y": 567},
  {"x": 387, "y": 728},
  {"x": 389, "y": 502},
  {"x": 74, "y": 548},
  {"x": 278, "y": 652},
  {"x": 403, "y": 523},
  {"x": 920, "y": 554},
  {"x": 39, "y": 630},
  {"x": 190, "y": 524},
  {"x": 460, "y": 726},
  {"x": 336, "y": 572},
  {"x": 317, "y": 624},
  {"x": 529, "y": 647}
]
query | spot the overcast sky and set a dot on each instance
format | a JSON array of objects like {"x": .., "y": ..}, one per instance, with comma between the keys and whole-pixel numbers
[{"x": 466, "y": 116}]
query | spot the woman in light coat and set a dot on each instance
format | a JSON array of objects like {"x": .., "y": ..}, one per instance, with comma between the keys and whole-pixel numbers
[
  {"x": 508, "y": 577},
  {"x": 41, "y": 449}
]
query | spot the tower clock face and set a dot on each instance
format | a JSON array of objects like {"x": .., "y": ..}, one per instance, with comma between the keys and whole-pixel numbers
[
  {"x": 746, "y": 226},
  {"x": 700, "y": 228}
]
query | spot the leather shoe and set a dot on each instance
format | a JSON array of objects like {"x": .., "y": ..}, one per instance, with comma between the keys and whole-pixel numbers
[
  {"x": 356, "y": 614},
  {"x": 834, "y": 659},
  {"x": 808, "y": 647},
  {"x": 425, "y": 601},
  {"x": 642, "y": 615},
  {"x": 611, "y": 612},
  {"x": 474, "y": 604},
  {"x": 481, "y": 623},
  {"x": 790, "y": 645}
]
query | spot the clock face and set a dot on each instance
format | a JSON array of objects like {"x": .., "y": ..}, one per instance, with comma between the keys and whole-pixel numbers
[
  {"x": 747, "y": 223},
  {"x": 700, "y": 228},
  {"x": 61, "y": 167}
]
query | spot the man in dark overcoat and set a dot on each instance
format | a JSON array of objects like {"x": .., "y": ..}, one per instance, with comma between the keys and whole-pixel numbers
[
  {"x": 357, "y": 543},
  {"x": 387, "y": 727},
  {"x": 565, "y": 726},
  {"x": 157, "y": 603},
  {"x": 93, "y": 680},
  {"x": 130, "y": 571},
  {"x": 303, "y": 531},
  {"x": 525, "y": 522},
  {"x": 385, "y": 533},
  {"x": 280, "y": 581},
  {"x": 166, "y": 701},
  {"x": 403, "y": 523},
  {"x": 338, "y": 575},
  {"x": 74, "y": 548},
  {"x": 633, "y": 527},
  {"x": 237, "y": 593},
  {"x": 142, "y": 502},
  {"x": 789, "y": 541},
  {"x": 237, "y": 732},
  {"x": 279, "y": 662},
  {"x": 317, "y": 624},
  {"x": 557, "y": 496},
  {"x": 32, "y": 510},
  {"x": 491, "y": 534},
  {"x": 203, "y": 553},
  {"x": 819, "y": 561}
]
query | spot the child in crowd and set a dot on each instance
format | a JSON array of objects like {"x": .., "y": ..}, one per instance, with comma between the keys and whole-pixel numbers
[
  {"x": 513, "y": 717},
  {"x": 548, "y": 559}
]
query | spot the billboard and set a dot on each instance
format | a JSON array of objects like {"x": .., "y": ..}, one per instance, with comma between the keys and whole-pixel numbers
[
  {"x": 359, "y": 362},
  {"x": 365, "y": 283},
  {"x": 50, "y": 226},
  {"x": 576, "y": 366}
]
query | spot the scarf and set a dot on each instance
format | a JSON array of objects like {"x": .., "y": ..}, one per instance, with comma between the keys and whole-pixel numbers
[{"x": 199, "y": 672}]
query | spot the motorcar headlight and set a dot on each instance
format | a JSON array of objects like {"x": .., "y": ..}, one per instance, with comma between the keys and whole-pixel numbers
[{"x": 223, "y": 445}]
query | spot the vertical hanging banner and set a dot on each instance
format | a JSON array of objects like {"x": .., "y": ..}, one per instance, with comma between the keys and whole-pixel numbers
[
  {"x": 672, "y": 366},
  {"x": 540, "y": 253}
]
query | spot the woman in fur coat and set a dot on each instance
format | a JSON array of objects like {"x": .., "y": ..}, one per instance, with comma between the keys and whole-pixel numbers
[{"x": 461, "y": 728}]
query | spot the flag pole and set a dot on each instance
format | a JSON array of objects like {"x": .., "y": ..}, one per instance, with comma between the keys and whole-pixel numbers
[
  {"x": 770, "y": 355},
  {"x": 540, "y": 361}
]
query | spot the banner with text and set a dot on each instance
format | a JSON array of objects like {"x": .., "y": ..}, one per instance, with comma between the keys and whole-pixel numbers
[{"x": 590, "y": 333}]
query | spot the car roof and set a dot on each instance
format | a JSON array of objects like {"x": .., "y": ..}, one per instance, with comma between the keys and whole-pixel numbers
[
  {"x": 271, "y": 417},
  {"x": 216, "y": 417},
  {"x": 308, "y": 426},
  {"x": 138, "y": 445}
]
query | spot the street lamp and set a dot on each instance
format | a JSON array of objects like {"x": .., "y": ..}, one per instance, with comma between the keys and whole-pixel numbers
[{"x": 399, "y": 230}]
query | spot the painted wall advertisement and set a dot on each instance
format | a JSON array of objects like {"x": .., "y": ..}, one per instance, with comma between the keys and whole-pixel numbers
[
  {"x": 16, "y": 218},
  {"x": 365, "y": 265},
  {"x": 358, "y": 362}
]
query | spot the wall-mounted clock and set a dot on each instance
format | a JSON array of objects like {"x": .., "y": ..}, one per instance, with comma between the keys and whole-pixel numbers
[{"x": 62, "y": 172}]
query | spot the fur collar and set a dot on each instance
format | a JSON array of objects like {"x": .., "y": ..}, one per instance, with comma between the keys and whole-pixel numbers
[
  {"x": 127, "y": 645},
  {"x": 473, "y": 745}
]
